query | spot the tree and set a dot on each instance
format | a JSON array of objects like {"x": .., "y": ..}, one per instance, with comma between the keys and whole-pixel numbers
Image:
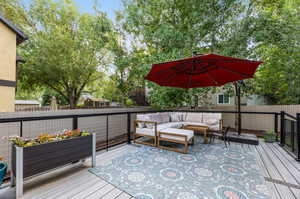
[
  {"x": 49, "y": 94},
  {"x": 128, "y": 73},
  {"x": 173, "y": 29},
  {"x": 66, "y": 48},
  {"x": 278, "y": 44},
  {"x": 16, "y": 13}
]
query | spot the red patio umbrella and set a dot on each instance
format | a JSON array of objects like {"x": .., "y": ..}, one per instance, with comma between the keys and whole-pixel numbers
[{"x": 202, "y": 71}]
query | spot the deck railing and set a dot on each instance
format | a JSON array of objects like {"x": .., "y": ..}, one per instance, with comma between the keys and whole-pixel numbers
[
  {"x": 290, "y": 133},
  {"x": 106, "y": 135},
  {"x": 114, "y": 128}
]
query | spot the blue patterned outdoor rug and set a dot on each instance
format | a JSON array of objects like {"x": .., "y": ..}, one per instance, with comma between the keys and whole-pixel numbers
[{"x": 208, "y": 172}]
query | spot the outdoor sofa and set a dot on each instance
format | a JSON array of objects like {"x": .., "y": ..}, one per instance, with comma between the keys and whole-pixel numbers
[{"x": 169, "y": 126}]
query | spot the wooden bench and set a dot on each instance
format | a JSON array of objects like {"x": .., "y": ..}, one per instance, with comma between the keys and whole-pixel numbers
[{"x": 174, "y": 135}]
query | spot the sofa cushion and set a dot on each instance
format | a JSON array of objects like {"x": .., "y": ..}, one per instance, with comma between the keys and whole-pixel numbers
[
  {"x": 212, "y": 122},
  {"x": 194, "y": 117},
  {"x": 151, "y": 118},
  {"x": 188, "y": 133},
  {"x": 141, "y": 117},
  {"x": 164, "y": 117},
  {"x": 211, "y": 116},
  {"x": 145, "y": 131},
  {"x": 177, "y": 116},
  {"x": 214, "y": 127},
  {"x": 195, "y": 123},
  {"x": 169, "y": 125}
]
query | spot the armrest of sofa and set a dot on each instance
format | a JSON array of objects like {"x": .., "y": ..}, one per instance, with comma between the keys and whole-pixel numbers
[
  {"x": 138, "y": 121},
  {"x": 142, "y": 121}
]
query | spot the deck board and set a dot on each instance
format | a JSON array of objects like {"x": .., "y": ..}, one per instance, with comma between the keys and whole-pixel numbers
[
  {"x": 289, "y": 159},
  {"x": 124, "y": 196},
  {"x": 283, "y": 159},
  {"x": 272, "y": 188},
  {"x": 280, "y": 166},
  {"x": 284, "y": 172},
  {"x": 76, "y": 182},
  {"x": 101, "y": 192}
]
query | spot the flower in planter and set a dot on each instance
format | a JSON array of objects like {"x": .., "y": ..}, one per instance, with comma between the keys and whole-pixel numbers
[
  {"x": 46, "y": 138},
  {"x": 85, "y": 134},
  {"x": 19, "y": 141}
]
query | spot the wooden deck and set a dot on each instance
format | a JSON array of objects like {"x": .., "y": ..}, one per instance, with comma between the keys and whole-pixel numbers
[
  {"x": 73, "y": 182},
  {"x": 281, "y": 171}
]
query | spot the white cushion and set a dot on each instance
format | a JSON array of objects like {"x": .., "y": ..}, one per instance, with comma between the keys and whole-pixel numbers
[
  {"x": 141, "y": 117},
  {"x": 195, "y": 123},
  {"x": 151, "y": 118},
  {"x": 177, "y": 116},
  {"x": 169, "y": 125},
  {"x": 214, "y": 127},
  {"x": 188, "y": 133},
  {"x": 207, "y": 117},
  {"x": 164, "y": 117},
  {"x": 145, "y": 131},
  {"x": 194, "y": 117},
  {"x": 212, "y": 120}
]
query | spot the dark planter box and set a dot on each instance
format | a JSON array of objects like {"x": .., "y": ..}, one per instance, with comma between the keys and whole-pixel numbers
[{"x": 30, "y": 161}]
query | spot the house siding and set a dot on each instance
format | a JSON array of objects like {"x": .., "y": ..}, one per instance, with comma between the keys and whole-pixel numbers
[{"x": 8, "y": 49}]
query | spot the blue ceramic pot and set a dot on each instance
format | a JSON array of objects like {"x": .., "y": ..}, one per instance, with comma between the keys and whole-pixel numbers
[{"x": 3, "y": 168}]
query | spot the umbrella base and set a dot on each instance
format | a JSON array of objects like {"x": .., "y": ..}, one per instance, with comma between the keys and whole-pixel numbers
[{"x": 244, "y": 138}]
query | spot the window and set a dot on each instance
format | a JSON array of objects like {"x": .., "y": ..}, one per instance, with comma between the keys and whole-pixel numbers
[{"x": 223, "y": 99}]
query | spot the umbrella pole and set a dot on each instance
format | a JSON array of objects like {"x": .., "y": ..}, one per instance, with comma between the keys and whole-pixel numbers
[
  {"x": 190, "y": 98},
  {"x": 238, "y": 94}
]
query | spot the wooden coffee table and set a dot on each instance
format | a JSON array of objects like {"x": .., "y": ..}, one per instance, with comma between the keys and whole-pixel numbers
[{"x": 198, "y": 128}]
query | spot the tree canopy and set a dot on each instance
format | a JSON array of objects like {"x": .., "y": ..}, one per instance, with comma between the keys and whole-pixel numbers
[{"x": 70, "y": 52}]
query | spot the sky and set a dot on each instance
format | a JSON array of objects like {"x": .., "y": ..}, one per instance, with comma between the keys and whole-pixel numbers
[{"x": 108, "y": 6}]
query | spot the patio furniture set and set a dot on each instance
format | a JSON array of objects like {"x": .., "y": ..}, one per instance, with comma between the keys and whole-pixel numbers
[{"x": 178, "y": 128}]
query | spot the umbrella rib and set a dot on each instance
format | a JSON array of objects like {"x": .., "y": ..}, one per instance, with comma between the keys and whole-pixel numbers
[
  {"x": 233, "y": 71},
  {"x": 212, "y": 78}
]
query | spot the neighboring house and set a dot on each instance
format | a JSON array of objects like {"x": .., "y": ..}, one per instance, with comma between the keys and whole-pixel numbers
[
  {"x": 223, "y": 99},
  {"x": 96, "y": 103},
  {"x": 10, "y": 37},
  {"x": 26, "y": 104}
]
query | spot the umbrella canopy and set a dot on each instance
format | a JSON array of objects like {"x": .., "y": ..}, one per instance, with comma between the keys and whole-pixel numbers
[{"x": 202, "y": 71}]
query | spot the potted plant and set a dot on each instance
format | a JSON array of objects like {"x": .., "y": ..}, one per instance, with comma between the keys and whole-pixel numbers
[
  {"x": 270, "y": 136},
  {"x": 46, "y": 152},
  {"x": 3, "y": 168}
]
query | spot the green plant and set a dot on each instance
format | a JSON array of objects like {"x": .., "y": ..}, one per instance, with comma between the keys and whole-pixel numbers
[
  {"x": 46, "y": 138},
  {"x": 270, "y": 136}
]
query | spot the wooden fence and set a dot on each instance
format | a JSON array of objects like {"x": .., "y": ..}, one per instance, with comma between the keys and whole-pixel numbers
[{"x": 256, "y": 122}]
